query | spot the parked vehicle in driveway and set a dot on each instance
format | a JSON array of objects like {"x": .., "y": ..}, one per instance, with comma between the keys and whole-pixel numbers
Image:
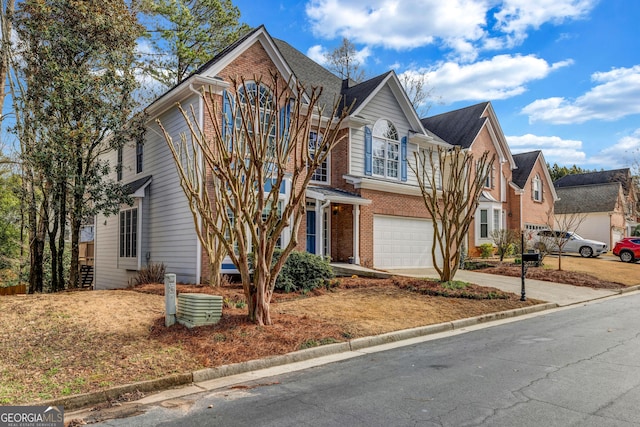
[
  {"x": 628, "y": 249},
  {"x": 570, "y": 242}
]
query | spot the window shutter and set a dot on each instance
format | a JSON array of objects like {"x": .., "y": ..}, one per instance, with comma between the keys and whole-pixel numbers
[
  {"x": 285, "y": 118},
  {"x": 403, "y": 159},
  {"x": 368, "y": 149},
  {"x": 227, "y": 118}
]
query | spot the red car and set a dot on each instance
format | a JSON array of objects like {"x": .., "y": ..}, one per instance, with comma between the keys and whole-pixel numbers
[{"x": 628, "y": 249}]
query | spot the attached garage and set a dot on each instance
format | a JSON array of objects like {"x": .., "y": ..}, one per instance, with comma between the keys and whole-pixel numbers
[{"x": 402, "y": 242}]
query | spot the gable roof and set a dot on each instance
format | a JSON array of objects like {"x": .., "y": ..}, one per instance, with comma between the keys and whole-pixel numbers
[
  {"x": 587, "y": 198},
  {"x": 292, "y": 63},
  {"x": 458, "y": 127},
  {"x": 361, "y": 91},
  {"x": 591, "y": 178},
  {"x": 525, "y": 163}
]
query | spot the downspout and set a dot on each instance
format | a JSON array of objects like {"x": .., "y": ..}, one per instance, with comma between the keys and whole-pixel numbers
[{"x": 198, "y": 242}]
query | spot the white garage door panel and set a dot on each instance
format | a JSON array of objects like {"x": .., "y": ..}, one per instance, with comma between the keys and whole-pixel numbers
[{"x": 401, "y": 242}]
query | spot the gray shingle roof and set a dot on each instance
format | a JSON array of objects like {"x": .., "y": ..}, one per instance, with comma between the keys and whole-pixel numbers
[
  {"x": 311, "y": 74},
  {"x": 361, "y": 91},
  {"x": 525, "y": 163},
  {"x": 134, "y": 186},
  {"x": 587, "y": 198},
  {"x": 590, "y": 178},
  {"x": 458, "y": 127}
]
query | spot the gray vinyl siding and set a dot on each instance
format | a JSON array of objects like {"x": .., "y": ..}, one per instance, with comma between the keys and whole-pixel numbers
[
  {"x": 167, "y": 232},
  {"x": 383, "y": 106}
]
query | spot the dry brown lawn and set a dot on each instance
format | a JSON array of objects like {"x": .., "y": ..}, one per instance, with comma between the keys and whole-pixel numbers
[{"x": 76, "y": 342}]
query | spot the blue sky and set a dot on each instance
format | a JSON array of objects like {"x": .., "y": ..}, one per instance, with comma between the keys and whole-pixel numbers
[{"x": 563, "y": 75}]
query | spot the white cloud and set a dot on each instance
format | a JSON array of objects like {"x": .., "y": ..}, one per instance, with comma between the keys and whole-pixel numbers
[
  {"x": 616, "y": 94},
  {"x": 567, "y": 152},
  {"x": 624, "y": 153},
  {"x": 459, "y": 25},
  {"x": 516, "y": 17},
  {"x": 500, "y": 77},
  {"x": 317, "y": 53},
  {"x": 398, "y": 25},
  {"x": 554, "y": 148}
]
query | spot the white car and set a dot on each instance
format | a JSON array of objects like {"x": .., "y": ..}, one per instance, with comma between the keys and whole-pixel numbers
[{"x": 552, "y": 240}]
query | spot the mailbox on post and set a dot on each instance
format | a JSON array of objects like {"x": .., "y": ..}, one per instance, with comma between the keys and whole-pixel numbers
[{"x": 532, "y": 258}]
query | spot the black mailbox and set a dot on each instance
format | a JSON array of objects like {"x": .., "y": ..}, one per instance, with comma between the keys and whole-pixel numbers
[{"x": 533, "y": 258}]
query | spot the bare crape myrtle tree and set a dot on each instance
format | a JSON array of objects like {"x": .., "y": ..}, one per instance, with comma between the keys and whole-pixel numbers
[
  {"x": 451, "y": 181},
  {"x": 254, "y": 142}
]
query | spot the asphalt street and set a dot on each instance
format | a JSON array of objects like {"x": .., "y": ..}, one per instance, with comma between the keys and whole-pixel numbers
[{"x": 570, "y": 367}]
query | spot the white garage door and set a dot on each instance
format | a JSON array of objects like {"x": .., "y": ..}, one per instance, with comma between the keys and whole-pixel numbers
[{"x": 401, "y": 242}]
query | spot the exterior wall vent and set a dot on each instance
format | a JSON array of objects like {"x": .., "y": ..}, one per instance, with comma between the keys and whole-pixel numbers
[{"x": 198, "y": 309}]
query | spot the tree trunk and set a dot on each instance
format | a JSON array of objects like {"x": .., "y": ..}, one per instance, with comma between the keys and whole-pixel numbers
[
  {"x": 74, "y": 269},
  {"x": 62, "y": 218},
  {"x": 53, "y": 249},
  {"x": 36, "y": 251}
]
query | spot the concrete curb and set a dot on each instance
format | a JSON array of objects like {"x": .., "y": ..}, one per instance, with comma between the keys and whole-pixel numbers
[
  {"x": 85, "y": 400},
  {"x": 629, "y": 289}
]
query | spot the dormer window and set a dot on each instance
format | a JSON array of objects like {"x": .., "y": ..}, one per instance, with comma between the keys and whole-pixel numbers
[{"x": 385, "y": 150}]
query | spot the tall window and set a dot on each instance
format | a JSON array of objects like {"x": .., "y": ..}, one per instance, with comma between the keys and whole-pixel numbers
[
  {"x": 484, "y": 223},
  {"x": 496, "y": 219},
  {"x": 129, "y": 233},
  {"x": 139, "y": 155},
  {"x": 537, "y": 189},
  {"x": 119, "y": 164},
  {"x": 251, "y": 94},
  {"x": 321, "y": 174},
  {"x": 385, "y": 150},
  {"x": 488, "y": 183}
]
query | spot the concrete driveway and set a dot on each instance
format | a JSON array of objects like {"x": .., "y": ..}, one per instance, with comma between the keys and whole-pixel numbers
[{"x": 560, "y": 294}]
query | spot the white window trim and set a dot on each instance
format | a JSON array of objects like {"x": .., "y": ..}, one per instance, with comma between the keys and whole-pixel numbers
[
  {"x": 328, "y": 162},
  {"x": 492, "y": 209},
  {"x": 387, "y": 142},
  {"x": 131, "y": 263},
  {"x": 536, "y": 187}
]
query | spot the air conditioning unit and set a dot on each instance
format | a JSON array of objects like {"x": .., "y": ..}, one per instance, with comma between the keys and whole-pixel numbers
[{"x": 198, "y": 309}]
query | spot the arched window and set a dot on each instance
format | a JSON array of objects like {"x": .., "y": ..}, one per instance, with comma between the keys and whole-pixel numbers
[
  {"x": 385, "y": 150},
  {"x": 248, "y": 96},
  {"x": 536, "y": 192}
]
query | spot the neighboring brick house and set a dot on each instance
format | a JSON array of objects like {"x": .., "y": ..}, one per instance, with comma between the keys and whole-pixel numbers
[
  {"x": 505, "y": 201},
  {"x": 607, "y": 199},
  {"x": 532, "y": 196}
]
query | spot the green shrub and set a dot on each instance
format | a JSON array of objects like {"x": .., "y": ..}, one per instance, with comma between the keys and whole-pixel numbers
[
  {"x": 486, "y": 250},
  {"x": 302, "y": 271}
]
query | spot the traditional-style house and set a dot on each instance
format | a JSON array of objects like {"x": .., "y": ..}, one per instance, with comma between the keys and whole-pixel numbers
[
  {"x": 607, "y": 201},
  {"x": 532, "y": 195},
  {"x": 515, "y": 194},
  {"x": 363, "y": 205}
]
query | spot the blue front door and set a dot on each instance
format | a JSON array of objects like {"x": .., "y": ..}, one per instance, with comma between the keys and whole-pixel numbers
[{"x": 311, "y": 232}]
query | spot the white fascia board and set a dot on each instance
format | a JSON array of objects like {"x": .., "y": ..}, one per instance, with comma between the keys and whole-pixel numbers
[
  {"x": 384, "y": 186},
  {"x": 185, "y": 89},
  {"x": 337, "y": 199}
]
